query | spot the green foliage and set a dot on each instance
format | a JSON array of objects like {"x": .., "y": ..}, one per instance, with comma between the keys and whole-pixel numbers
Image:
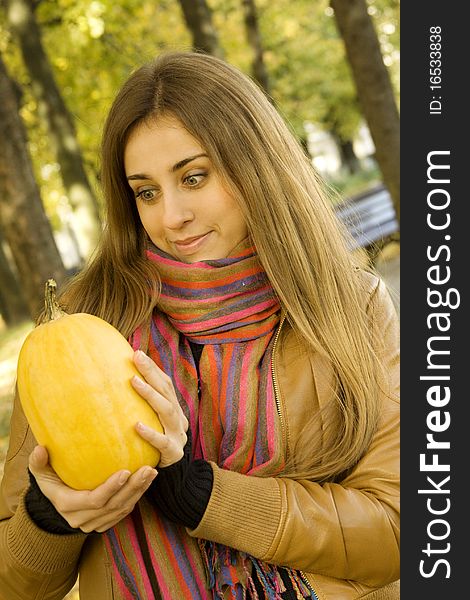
[
  {"x": 345, "y": 185},
  {"x": 93, "y": 45}
]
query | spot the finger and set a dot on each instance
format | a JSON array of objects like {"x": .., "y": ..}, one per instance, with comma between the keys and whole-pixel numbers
[
  {"x": 157, "y": 378},
  {"x": 101, "y": 525},
  {"x": 171, "y": 448},
  {"x": 135, "y": 486},
  {"x": 157, "y": 388},
  {"x": 118, "y": 507},
  {"x": 170, "y": 413},
  {"x": 161, "y": 441},
  {"x": 38, "y": 459},
  {"x": 69, "y": 500},
  {"x": 44, "y": 474}
]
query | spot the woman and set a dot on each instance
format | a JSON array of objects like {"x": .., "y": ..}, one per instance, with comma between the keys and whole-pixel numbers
[{"x": 269, "y": 356}]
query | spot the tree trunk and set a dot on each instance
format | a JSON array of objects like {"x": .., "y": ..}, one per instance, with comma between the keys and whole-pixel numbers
[
  {"x": 51, "y": 107},
  {"x": 254, "y": 39},
  {"x": 349, "y": 159},
  {"x": 13, "y": 307},
  {"x": 348, "y": 156},
  {"x": 374, "y": 89},
  {"x": 198, "y": 17},
  {"x": 23, "y": 220}
]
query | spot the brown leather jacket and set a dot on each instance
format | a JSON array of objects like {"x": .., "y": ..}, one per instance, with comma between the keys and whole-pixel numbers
[{"x": 343, "y": 536}]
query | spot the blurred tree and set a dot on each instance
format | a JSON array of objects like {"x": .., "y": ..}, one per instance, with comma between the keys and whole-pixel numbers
[
  {"x": 348, "y": 157},
  {"x": 23, "y": 220},
  {"x": 253, "y": 36},
  {"x": 374, "y": 88},
  {"x": 13, "y": 307},
  {"x": 94, "y": 45},
  {"x": 198, "y": 17},
  {"x": 51, "y": 107},
  {"x": 302, "y": 53}
]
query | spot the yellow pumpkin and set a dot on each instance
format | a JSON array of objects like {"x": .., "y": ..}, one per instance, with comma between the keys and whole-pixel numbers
[{"x": 73, "y": 379}]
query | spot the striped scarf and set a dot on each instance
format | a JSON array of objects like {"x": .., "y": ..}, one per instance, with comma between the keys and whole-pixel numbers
[{"x": 229, "y": 307}]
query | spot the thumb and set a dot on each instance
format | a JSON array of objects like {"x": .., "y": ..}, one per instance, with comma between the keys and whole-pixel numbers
[
  {"x": 45, "y": 476},
  {"x": 38, "y": 459}
]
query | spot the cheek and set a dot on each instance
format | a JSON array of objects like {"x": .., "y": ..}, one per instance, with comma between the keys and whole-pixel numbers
[
  {"x": 150, "y": 220},
  {"x": 235, "y": 219}
]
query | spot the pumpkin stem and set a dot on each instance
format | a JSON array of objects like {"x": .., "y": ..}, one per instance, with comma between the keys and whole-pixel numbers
[{"x": 53, "y": 310}]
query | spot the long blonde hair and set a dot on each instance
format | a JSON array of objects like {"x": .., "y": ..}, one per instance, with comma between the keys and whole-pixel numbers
[{"x": 297, "y": 235}]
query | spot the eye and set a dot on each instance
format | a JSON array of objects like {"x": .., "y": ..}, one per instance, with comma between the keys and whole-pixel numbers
[
  {"x": 146, "y": 195},
  {"x": 194, "y": 179}
]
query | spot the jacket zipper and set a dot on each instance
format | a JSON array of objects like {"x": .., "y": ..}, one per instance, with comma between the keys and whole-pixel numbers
[
  {"x": 309, "y": 585},
  {"x": 283, "y": 428},
  {"x": 275, "y": 384}
]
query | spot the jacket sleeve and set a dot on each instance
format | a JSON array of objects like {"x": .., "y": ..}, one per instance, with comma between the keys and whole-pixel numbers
[
  {"x": 33, "y": 563},
  {"x": 347, "y": 530}
]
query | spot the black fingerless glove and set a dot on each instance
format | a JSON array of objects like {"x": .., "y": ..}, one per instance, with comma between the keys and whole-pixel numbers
[
  {"x": 182, "y": 490},
  {"x": 42, "y": 511}
]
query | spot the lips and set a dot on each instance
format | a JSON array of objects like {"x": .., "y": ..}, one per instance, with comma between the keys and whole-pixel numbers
[
  {"x": 191, "y": 244},
  {"x": 188, "y": 241}
]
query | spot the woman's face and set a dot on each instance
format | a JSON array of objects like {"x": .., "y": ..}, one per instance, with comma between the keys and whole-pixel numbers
[{"x": 181, "y": 201}]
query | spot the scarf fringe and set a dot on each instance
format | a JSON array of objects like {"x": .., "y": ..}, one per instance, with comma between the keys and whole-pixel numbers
[{"x": 231, "y": 571}]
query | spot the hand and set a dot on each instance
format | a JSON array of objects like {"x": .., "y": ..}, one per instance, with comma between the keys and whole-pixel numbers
[
  {"x": 91, "y": 510},
  {"x": 159, "y": 392}
]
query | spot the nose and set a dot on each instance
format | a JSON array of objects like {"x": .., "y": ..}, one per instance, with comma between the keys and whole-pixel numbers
[{"x": 176, "y": 211}]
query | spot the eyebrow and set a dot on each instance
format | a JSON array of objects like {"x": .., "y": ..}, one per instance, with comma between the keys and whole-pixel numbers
[{"x": 176, "y": 167}]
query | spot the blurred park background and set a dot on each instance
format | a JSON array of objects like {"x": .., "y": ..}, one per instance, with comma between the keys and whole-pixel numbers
[{"x": 331, "y": 67}]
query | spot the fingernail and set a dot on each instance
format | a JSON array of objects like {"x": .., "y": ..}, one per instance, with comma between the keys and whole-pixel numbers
[
  {"x": 124, "y": 477},
  {"x": 137, "y": 381},
  {"x": 148, "y": 475},
  {"x": 142, "y": 357}
]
